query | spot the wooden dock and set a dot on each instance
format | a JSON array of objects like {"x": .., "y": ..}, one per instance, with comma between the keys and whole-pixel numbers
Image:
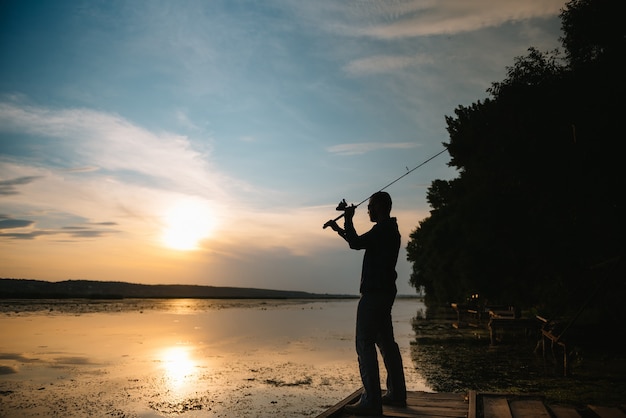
[{"x": 478, "y": 405}]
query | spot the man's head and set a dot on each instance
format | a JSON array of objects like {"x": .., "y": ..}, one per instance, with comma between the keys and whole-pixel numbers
[{"x": 379, "y": 206}]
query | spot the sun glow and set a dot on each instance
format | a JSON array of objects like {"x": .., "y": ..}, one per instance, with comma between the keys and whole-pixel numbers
[
  {"x": 179, "y": 366},
  {"x": 186, "y": 224}
]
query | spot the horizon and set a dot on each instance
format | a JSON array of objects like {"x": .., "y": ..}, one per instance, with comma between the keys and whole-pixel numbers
[{"x": 350, "y": 295}]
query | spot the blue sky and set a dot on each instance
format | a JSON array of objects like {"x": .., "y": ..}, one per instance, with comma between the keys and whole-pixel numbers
[{"x": 207, "y": 142}]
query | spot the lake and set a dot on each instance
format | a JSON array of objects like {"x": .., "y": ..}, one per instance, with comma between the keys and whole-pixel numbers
[{"x": 184, "y": 357}]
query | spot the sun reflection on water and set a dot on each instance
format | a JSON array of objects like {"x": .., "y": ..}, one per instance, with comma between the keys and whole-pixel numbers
[{"x": 180, "y": 367}]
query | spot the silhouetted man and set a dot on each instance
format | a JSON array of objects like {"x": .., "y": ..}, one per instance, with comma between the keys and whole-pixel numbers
[{"x": 378, "y": 291}]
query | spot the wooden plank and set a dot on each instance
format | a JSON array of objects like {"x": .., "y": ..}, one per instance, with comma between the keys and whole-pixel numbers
[
  {"x": 496, "y": 407},
  {"x": 444, "y": 408},
  {"x": 431, "y": 398},
  {"x": 418, "y": 411},
  {"x": 409, "y": 413},
  {"x": 431, "y": 405},
  {"x": 529, "y": 408},
  {"x": 337, "y": 410},
  {"x": 472, "y": 410},
  {"x": 563, "y": 411},
  {"x": 607, "y": 412}
]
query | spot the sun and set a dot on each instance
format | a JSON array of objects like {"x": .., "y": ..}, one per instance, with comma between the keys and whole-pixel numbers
[{"x": 186, "y": 223}]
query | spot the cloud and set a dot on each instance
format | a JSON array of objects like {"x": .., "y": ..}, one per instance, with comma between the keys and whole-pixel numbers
[
  {"x": 25, "y": 235},
  {"x": 85, "y": 140},
  {"x": 183, "y": 119},
  {"x": 140, "y": 175},
  {"x": 365, "y": 147},
  {"x": 81, "y": 169},
  {"x": 14, "y": 223},
  {"x": 384, "y": 63},
  {"x": 73, "y": 232},
  {"x": 407, "y": 19},
  {"x": 7, "y": 187},
  {"x": 92, "y": 165},
  {"x": 84, "y": 232}
]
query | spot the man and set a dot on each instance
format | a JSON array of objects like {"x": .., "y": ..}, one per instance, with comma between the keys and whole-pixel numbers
[{"x": 378, "y": 292}]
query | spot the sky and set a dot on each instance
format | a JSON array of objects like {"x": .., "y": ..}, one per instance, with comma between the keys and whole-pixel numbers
[{"x": 207, "y": 142}]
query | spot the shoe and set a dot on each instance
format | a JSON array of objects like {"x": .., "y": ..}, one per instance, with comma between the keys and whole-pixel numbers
[
  {"x": 388, "y": 400},
  {"x": 362, "y": 410}
]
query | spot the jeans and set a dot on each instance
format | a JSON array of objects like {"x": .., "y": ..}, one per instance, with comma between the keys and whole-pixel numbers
[{"x": 374, "y": 328}]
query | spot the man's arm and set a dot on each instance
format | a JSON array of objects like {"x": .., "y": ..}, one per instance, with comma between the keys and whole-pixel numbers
[
  {"x": 333, "y": 225},
  {"x": 356, "y": 241},
  {"x": 348, "y": 214}
]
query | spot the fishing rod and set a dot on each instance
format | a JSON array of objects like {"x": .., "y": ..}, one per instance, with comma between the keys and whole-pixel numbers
[{"x": 343, "y": 205}]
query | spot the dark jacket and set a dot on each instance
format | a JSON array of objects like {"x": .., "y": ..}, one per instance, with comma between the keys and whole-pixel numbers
[{"x": 381, "y": 245}]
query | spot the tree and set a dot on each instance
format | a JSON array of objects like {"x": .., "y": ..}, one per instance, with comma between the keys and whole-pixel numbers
[
  {"x": 593, "y": 31},
  {"x": 537, "y": 202}
]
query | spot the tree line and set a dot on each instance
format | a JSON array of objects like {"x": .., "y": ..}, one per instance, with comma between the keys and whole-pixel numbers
[{"x": 535, "y": 217}]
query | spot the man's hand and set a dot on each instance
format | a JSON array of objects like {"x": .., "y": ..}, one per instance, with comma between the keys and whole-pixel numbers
[
  {"x": 333, "y": 225},
  {"x": 348, "y": 212}
]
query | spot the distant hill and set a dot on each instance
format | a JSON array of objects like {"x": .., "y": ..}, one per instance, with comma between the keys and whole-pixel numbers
[{"x": 39, "y": 289}]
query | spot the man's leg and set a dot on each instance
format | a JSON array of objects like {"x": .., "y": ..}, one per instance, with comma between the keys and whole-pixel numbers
[
  {"x": 367, "y": 324},
  {"x": 396, "y": 384}
]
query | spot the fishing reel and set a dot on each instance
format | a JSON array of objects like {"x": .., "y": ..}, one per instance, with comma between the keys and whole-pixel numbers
[{"x": 342, "y": 206}]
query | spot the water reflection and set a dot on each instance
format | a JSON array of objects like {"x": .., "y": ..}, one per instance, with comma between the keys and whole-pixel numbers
[
  {"x": 185, "y": 306},
  {"x": 149, "y": 358},
  {"x": 180, "y": 367}
]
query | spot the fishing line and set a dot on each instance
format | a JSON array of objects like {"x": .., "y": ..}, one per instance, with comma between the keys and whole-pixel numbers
[{"x": 342, "y": 205}]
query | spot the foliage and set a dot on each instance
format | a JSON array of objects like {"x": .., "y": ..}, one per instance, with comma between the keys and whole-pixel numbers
[
  {"x": 536, "y": 205},
  {"x": 593, "y": 31}
]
